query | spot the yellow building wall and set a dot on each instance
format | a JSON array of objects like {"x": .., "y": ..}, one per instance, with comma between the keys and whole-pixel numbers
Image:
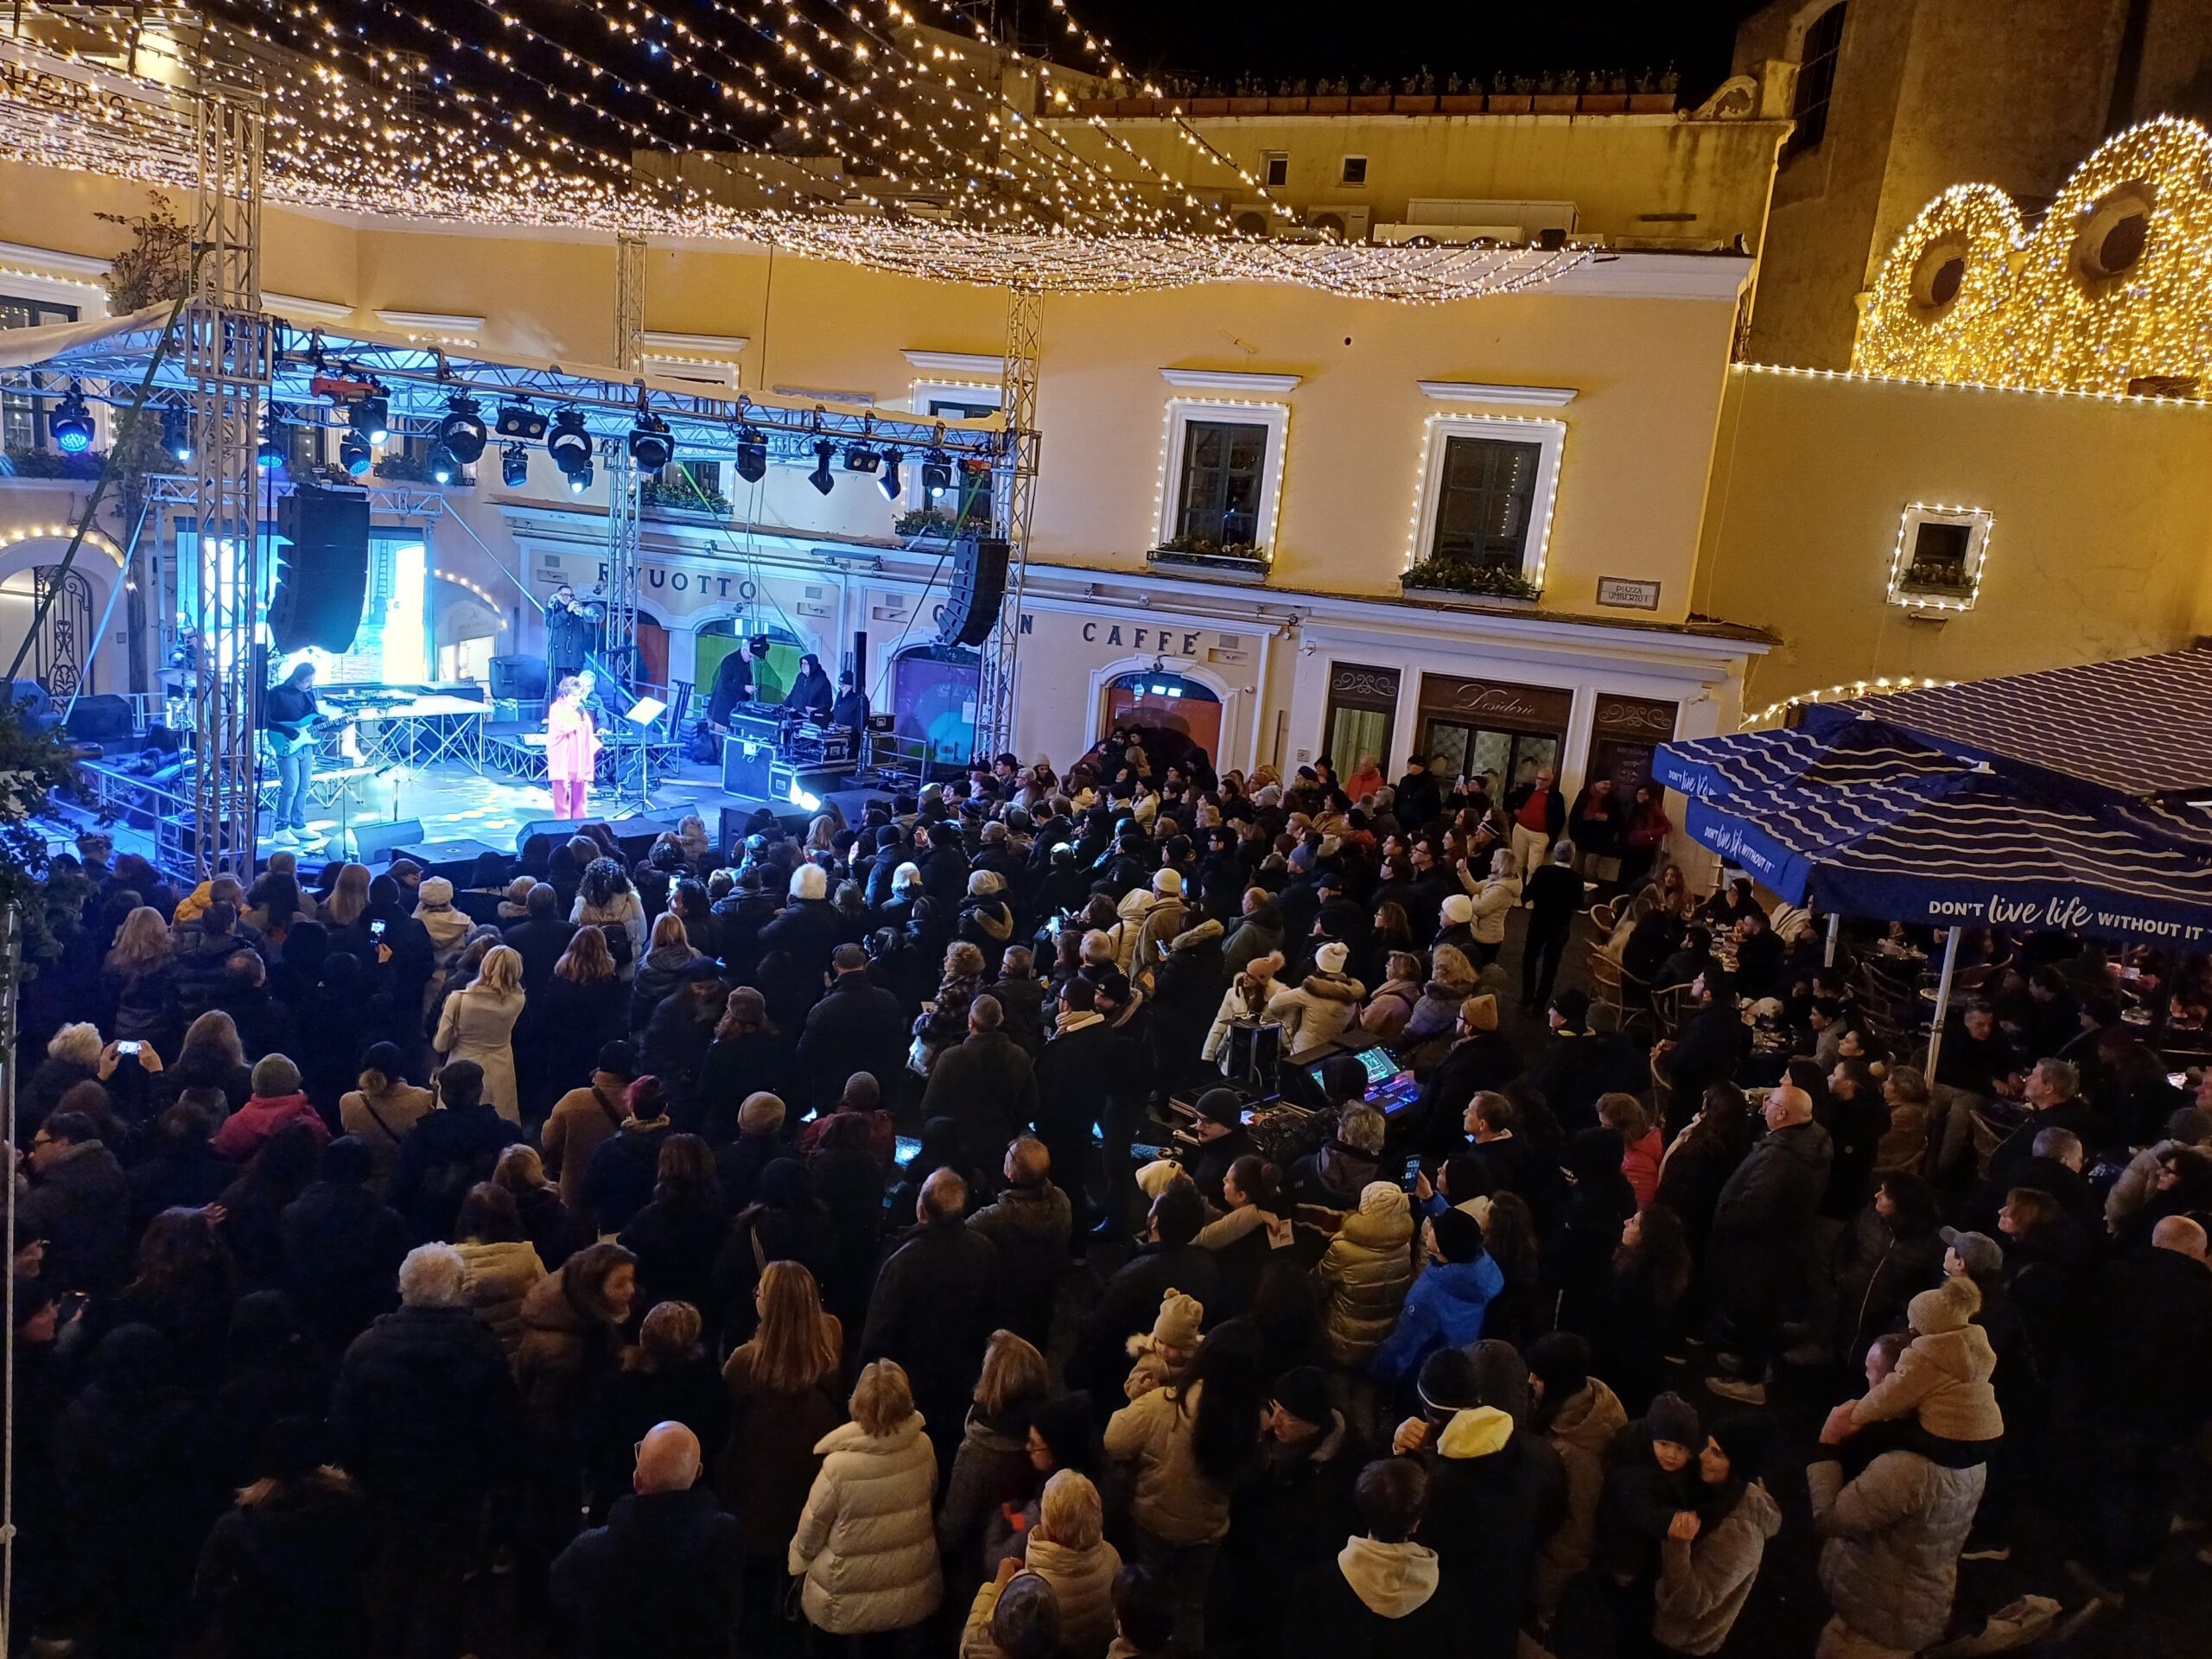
[{"x": 2098, "y": 549}]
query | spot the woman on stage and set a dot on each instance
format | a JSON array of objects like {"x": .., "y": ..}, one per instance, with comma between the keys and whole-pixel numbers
[{"x": 571, "y": 747}]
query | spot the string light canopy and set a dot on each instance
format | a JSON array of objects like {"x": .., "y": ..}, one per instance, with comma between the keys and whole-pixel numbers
[
  {"x": 886, "y": 156},
  {"x": 2108, "y": 294}
]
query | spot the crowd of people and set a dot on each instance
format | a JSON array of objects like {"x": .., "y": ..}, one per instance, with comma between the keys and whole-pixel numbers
[{"x": 856, "y": 1241}]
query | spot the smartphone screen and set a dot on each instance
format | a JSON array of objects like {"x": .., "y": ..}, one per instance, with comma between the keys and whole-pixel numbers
[
  {"x": 905, "y": 1150},
  {"x": 376, "y": 929},
  {"x": 1410, "y": 1177},
  {"x": 126, "y": 1048}
]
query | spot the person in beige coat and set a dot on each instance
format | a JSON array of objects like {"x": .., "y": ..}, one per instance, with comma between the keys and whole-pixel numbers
[
  {"x": 1067, "y": 1548},
  {"x": 502, "y": 1264},
  {"x": 1365, "y": 1274},
  {"x": 479, "y": 1024},
  {"x": 1322, "y": 1006},
  {"x": 382, "y": 1110},
  {"x": 1580, "y": 1416},
  {"x": 585, "y": 1119},
  {"x": 866, "y": 1544}
]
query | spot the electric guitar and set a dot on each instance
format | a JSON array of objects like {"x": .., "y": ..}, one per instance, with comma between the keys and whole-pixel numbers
[{"x": 289, "y": 736}]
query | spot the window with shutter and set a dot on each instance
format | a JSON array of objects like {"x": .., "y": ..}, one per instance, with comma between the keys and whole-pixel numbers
[{"x": 1486, "y": 495}]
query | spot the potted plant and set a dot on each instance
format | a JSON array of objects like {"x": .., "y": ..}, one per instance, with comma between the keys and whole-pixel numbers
[
  {"x": 1449, "y": 577},
  {"x": 658, "y": 496},
  {"x": 1514, "y": 99},
  {"x": 1231, "y": 561}
]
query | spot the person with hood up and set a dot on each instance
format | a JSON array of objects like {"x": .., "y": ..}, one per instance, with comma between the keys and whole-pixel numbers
[
  {"x": 986, "y": 919},
  {"x": 1712, "y": 1553},
  {"x": 1364, "y": 1274},
  {"x": 1384, "y": 1596},
  {"x": 866, "y": 1546},
  {"x": 1496, "y": 1493},
  {"x": 277, "y": 1103},
  {"x": 1581, "y": 1419},
  {"x": 1445, "y": 1305},
  {"x": 1943, "y": 1376},
  {"x": 1319, "y": 1010}
]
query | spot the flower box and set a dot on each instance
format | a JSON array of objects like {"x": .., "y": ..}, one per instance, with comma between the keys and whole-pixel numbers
[
  {"x": 1459, "y": 103},
  {"x": 1413, "y": 104},
  {"x": 1461, "y": 581},
  {"x": 1509, "y": 103},
  {"x": 1650, "y": 103},
  {"x": 1605, "y": 103},
  {"x": 1461, "y": 596},
  {"x": 1556, "y": 103},
  {"x": 1251, "y": 568},
  {"x": 1288, "y": 106},
  {"x": 1370, "y": 104},
  {"x": 1334, "y": 103},
  {"x": 1248, "y": 106}
]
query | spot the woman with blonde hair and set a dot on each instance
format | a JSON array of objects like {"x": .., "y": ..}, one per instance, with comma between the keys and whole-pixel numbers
[
  {"x": 783, "y": 1395},
  {"x": 137, "y": 977},
  {"x": 349, "y": 896},
  {"x": 865, "y": 1545},
  {"x": 942, "y": 1022},
  {"x": 552, "y": 1231},
  {"x": 660, "y": 969},
  {"x": 479, "y": 1024},
  {"x": 382, "y": 1110},
  {"x": 1068, "y": 1549},
  {"x": 991, "y": 1466}
]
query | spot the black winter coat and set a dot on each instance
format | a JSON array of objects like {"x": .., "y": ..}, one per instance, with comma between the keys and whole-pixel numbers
[
  {"x": 1486, "y": 1517},
  {"x": 342, "y": 1250},
  {"x": 935, "y": 1307},
  {"x": 289, "y": 1575},
  {"x": 987, "y": 1085},
  {"x": 1763, "y": 1225},
  {"x": 426, "y": 1412},
  {"x": 1129, "y": 1305},
  {"x": 658, "y": 1581},
  {"x": 857, "y": 1026}
]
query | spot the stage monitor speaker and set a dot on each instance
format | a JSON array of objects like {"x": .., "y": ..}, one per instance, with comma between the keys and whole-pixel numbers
[
  {"x": 103, "y": 719},
  {"x": 635, "y": 836},
  {"x": 323, "y": 577},
  {"x": 746, "y": 768},
  {"x": 561, "y": 829},
  {"x": 375, "y": 842},
  {"x": 794, "y": 825},
  {"x": 518, "y": 679},
  {"x": 972, "y": 610},
  {"x": 453, "y": 860}
]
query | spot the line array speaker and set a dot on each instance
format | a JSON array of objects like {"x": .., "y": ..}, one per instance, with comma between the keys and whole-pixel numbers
[
  {"x": 322, "y": 575},
  {"x": 972, "y": 610}
]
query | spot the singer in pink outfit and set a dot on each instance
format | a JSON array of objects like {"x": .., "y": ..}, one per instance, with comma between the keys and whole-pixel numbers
[{"x": 571, "y": 747}]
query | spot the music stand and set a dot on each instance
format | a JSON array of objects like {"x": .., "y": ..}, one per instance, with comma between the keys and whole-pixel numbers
[{"x": 641, "y": 716}]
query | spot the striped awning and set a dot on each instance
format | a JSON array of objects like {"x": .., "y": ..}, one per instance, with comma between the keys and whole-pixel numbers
[
  {"x": 2140, "y": 726},
  {"x": 1965, "y": 846},
  {"x": 1853, "y": 752}
]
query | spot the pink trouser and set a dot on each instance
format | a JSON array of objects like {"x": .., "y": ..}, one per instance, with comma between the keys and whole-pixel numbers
[{"x": 568, "y": 797}]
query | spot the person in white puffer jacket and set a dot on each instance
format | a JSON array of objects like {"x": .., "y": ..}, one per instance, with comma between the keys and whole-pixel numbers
[
  {"x": 1322, "y": 1006},
  {"x": 866, "y": 1543}
]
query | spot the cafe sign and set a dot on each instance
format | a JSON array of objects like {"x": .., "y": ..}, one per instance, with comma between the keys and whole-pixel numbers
[{"x": 1496, "y": 704}]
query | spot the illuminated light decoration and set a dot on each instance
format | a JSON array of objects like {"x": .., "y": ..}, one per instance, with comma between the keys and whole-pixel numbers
[
  {"x": 514, "y": 466},
  {"x": 1978, "y": 522},
  {"x": 1275, "y": 416},
  {"x": 936, "y": 473},
  {"x": 71, "y": 423},
  {"x": 371, "y": 417},
  {"x": 490, "y": 600},
  {"x": 752, "y": 455},
  {"x": 891, "y": 482},
  {"x": 518, "y": 420},
  {"x": 569, "y": 444},
  {"x": 354, "y": 454},
  {"x": 268, "y": 452},
  {"x": 579, "y": 480},
  {"x": 1554, "y": 461},
  {"x": 444, "y": 467},
  {"x": 462, "y": 431},
  {"x": 822, "y": 477},
  {"x": 1850, "y": 690},
  {"x": 651, "y": 447},
  {"x": 21, "y": 533},
  {"x": 176, "y": 434},
  {"x": 2110, "y": 288}
]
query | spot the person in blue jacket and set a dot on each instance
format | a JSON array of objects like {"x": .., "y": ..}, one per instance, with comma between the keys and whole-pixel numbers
[{"x": 1444, "y": 1308}]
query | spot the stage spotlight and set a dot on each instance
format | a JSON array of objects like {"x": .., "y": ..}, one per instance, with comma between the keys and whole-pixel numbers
[
  {"x": 514, "y": 466},
  {"x": 936, "y": 473},
  {"x": 269, "y": 452},
  {"x": 71, "y": 423},
  {"x": 569, "y": 444},
  {"x": 579, "y": 480},
  {"x": 651, "y": 447},
  {"x": 824, "y": 453},
  {"x": 353, "y": 454},
  {"x": 519, "y": 420},
  {"x": 891, "y": 481},
  {"x": 371, "y": 417},
  {"x": 176, "y": 434},
  {"x": 462, "y": 431},
  {"x": 444, "y": 466},
  {"x": 861, "y": 459},
  {"x": 752, "y": 455}
]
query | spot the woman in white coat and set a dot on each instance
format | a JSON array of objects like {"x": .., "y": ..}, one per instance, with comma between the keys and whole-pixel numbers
[
  {"x": 1493, "y": 897},
  {"x": 866, "y": 1545},
  {"x": 479, "y": 1023}
]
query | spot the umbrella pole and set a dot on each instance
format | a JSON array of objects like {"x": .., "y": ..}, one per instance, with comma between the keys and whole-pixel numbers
[
  {"x": 1942, "y": 1001},
  {"x": 1836, "y": 932}
]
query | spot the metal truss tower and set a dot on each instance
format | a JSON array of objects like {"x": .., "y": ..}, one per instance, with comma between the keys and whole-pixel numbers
[
  {"x": 229, "y": 352},
  {"x": 619, "y": 635},
  {"x": 1014, "y": 500},
  {"x": 630, "y": 304}
]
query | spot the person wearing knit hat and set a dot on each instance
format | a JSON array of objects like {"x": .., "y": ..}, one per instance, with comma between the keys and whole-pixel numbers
[
  {"x": 1162, "y": 1355},
  {"x": 985, "y": 884},
  {"x": 1457, "y": 916},
  {"x": 448, "y": 927},
  {"x": 1302, "y": 1392},
  {"x": 762, "y": 1114},
  {"x": 1705, "y": 1578},
  {"x": 1672, "y": 1422},
  {"x": 1323, "y": 1007},
  {"x": 1943, "y": 1376},
  {"x": 1331, "y": 957},
  {"x": 1167, "y": 883},
  {"x": 277, "y": 1104}
]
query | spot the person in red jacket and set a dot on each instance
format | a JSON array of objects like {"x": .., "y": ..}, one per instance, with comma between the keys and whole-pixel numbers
[{"x": 278, "y": 1103}]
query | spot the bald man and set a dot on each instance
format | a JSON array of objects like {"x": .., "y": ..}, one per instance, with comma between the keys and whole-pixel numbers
[
  {"x": 661, "y": 1576},
  {"x": 1761, "y": 1257}
]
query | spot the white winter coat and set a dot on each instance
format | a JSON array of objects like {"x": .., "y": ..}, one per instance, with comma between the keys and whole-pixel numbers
[
  {"x": 866, "y": 1543},
  {"x": 1498, "y": 895},
  {"x": 1136, "y": 906},
  {"x": 1316, "y": 1011},
  {"x": 478, "y": 1024}
]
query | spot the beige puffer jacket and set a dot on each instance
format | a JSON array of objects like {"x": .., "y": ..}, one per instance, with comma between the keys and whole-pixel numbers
[
  {"x": 1136, "y": 906},
  {"x": 866, "y": 1543},
  {"x": 1582, "y": 1433},
  {"x": 1083, "y": 1579},
  {"x": 500, "y": 1276},
  {"x": 1365, "y": 1273},
  {"x": 1318, "y": 1011},
  {"x": 1174, "y": 1500}
]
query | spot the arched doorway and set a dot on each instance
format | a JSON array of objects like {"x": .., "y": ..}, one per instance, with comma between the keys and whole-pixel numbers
[
  {"x": 1174, "y": 702},
  {"x": 652, "y": 649},
  {"x": 62, "y": 658},
  {"x": 933, "y": 696}
]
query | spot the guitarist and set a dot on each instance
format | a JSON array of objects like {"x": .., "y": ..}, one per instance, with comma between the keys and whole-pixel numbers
[{"x": 289, "y": 715}]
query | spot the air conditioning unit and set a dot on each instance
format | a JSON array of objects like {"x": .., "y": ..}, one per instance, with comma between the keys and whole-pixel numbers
[
  {"x": 1344, "y": 224},
  {"x": 1506, "y": 221}
]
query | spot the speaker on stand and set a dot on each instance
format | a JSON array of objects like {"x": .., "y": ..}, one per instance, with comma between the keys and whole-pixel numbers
[
  {"x": 978, "y": 589},
  {"x": 322, "y": 574}
]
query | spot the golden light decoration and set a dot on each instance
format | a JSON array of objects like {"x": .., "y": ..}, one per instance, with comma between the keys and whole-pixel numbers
[
  {"x": 2111, "y": 293},
  {"x": 1849, "y": 691}
]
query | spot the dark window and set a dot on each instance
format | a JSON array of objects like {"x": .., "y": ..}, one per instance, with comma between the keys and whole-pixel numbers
[
  {"x": 1355, "y": 170},
  {"x": 1220, "y": 500},
  {"x": 1817, "y": 79},
  {"x": 22, "y": 420},
  {"x": 1486, "y": 500},
  {"x": 1939, "y": 560},
  {"x": 1275, "y": 170}
]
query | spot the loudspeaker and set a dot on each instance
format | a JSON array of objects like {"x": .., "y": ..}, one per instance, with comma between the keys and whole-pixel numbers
[
  {"x": 972, "y": 610},
  {"x": 376, "y": 842},
  {"x": 635, "y": 836},
  {"x": 561, "y": 829},
  {"x": 101, "y": 720},
  {"x": 322, "y": 578},
  {"x": 734, "y": 818},
  {"x": 518, "y": 679},
  {"x": 746, "y": 766},
  {"x": 453, "y": 860}
]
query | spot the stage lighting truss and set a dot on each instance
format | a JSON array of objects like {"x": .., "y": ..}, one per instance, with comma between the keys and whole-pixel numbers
[
  {"x": 569, "y": 444},
  {"x": 462, "y": 431},
  {"x": 71, "y": 423}
]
